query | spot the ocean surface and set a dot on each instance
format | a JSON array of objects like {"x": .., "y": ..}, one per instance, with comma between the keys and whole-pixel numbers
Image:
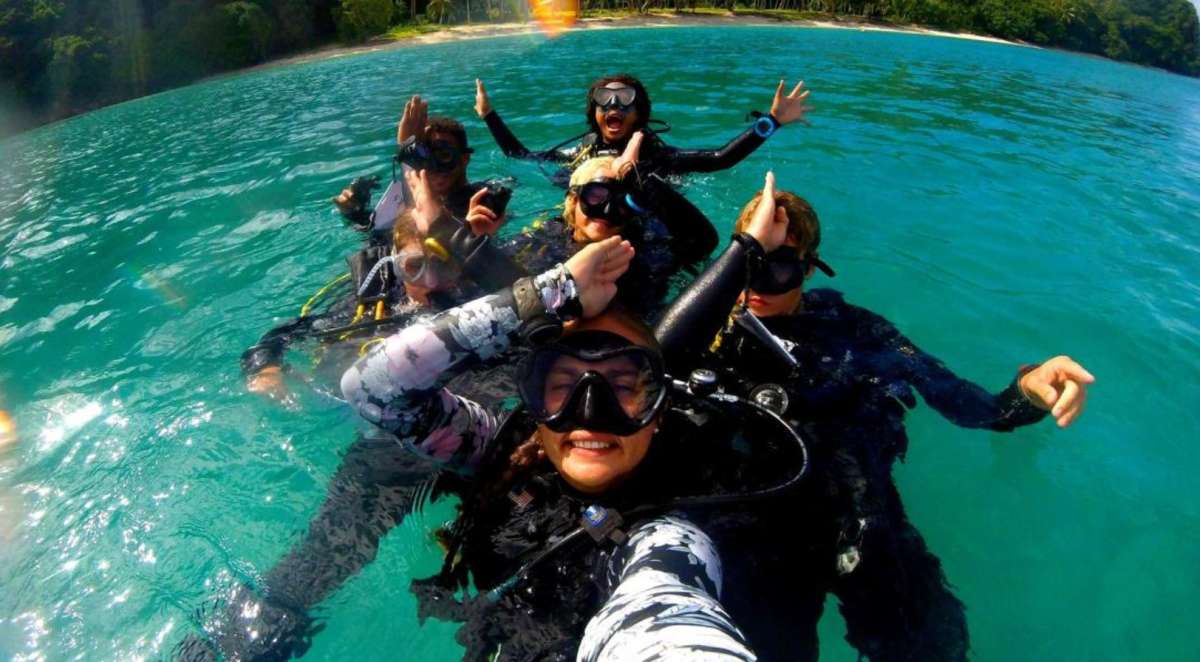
[{"x": 1000, "y": 204}]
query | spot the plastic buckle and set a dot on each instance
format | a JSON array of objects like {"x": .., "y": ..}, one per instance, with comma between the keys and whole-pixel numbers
[{"x": 603, "y": 524}]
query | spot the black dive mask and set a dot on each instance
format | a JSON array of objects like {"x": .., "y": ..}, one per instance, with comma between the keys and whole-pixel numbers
[
  {"x": 593, "y": 380},
  {"x": 784, "y": 270},
  {"x": 438, "y": 156},
  {"x": 620, "y": 98},
  {"x": 605, "y": 198}
]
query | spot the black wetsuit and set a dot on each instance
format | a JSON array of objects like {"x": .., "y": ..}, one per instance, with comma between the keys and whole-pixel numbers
[
  {"x": 855, "y": 382},
  {"x": 655, "y": 157}
]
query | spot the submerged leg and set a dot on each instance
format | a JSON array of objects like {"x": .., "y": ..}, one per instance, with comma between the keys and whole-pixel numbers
[
  {"x": 374, "y": 488},
  {"x": 897, "y": 603}
]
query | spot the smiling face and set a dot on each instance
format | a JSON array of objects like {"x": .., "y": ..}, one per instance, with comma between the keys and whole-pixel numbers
[{"x": 592, "y": 461}]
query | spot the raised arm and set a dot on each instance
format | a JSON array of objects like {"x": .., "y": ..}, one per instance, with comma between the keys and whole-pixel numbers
[
  {"x": 785, "y": 109},
  {"x": 688, "y": 327},
  {"x": 508, "y": 142},
  {"x": 399, "y": 384}
]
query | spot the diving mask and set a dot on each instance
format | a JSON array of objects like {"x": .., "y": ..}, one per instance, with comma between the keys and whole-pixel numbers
[
  {"x": 439, "y": 155},
  {"x": 784, "y": 270},
  {"x": 618, "y": 98},
  {"x": 423, "y": 269},
  {"x": 605, "y": 198},
  {"x": 593, "y": 380}
]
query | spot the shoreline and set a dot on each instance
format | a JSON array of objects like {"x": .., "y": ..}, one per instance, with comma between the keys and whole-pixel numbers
[{"x": 469, "y": 32}]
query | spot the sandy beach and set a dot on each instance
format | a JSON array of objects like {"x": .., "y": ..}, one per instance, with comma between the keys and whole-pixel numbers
[{"x": 485, "y": 30}]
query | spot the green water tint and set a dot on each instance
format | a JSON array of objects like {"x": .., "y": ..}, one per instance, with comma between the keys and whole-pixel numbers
[{"x": 1000, "y": 204}]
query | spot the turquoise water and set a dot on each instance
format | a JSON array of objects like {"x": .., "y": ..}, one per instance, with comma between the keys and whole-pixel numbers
[{"x": 1000, "y": 204}]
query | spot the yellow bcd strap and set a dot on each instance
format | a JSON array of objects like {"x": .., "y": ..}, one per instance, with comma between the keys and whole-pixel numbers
[
  {"x": 436, "y": 248},
  {"x": 362, "y": 349},
  {"x": 307, "y": 307}
]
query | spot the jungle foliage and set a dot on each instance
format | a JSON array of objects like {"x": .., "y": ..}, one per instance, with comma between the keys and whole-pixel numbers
[{"x": 60, "y": 57}]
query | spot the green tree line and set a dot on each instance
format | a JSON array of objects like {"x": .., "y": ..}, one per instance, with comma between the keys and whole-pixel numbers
[{"x": 61, "y": 57}]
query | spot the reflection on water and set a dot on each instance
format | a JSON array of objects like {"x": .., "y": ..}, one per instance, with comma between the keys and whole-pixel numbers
[{"x": 999, "y": 204}]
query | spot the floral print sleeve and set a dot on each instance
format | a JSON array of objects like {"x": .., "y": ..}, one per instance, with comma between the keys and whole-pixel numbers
[{"x": 398, "y": 385}]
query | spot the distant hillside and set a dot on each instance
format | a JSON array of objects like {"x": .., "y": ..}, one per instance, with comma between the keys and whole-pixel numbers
[{"x": 62, "y": 57}]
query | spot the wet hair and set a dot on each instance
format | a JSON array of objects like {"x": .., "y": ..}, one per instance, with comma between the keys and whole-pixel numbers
[
  {"x": 449, "y": 126},
  {"x": 586, "y": 172},
  {"x": 803, "y": 226},
  {"x": 405, "y": 231},
  {"x": 641, "y": 102}
]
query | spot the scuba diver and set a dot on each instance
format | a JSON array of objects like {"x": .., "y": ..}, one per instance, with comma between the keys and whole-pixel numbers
[
  {"x": 590, "y": 445},
  {"x": 423, "y": 270},
  {"x": 436, "y": 144},
  {"x": 377, "y": 482},
  {"x": 618, "y": 107},
  {"x": 608, "y": 197},
  {"x": 847, "y": 377}
]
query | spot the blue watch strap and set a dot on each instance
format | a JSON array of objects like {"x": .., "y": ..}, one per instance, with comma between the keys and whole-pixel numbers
[{"x": 764, "y": 126}]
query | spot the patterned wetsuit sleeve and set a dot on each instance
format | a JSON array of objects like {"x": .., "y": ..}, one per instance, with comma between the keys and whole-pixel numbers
[
  {"x": 512, "y": 146},
  {"x": 398, "y": 384},
  {"x": 665, "y": 605},
  {"x": 676, "y": 161},
  {"x": 961, "y": 401}
]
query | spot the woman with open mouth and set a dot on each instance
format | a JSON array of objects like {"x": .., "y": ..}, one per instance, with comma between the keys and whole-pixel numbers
[{"x": 619, "y": 106}]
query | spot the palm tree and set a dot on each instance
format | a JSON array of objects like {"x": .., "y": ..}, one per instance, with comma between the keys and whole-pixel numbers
[{"x": 438, "y": 10}]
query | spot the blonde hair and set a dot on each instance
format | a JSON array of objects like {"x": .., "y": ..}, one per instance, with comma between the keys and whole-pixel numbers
[
  {"x": 803, "y": 226},
  {"x": 405, "y": 231},
  {"x": 586, "y": 172}
]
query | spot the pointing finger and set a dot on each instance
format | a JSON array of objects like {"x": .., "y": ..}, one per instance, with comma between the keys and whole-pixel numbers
[
  {"x": 477, "y": 198},
  {"x": 1075, "y": 371}
]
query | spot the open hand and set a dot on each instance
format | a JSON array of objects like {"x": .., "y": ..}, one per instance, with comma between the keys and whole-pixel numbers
[
  {"x": 480, "y": 217},
  {"x": 426, "y": 206},
  {"x": 483, "y": 105},
  {"x": 625, "y": 163},
  {"x": 414, "y": 120},
  {"x": 596, "y": 269},
  {"x": 790, "y": 108},
  {"x": 1059, "y": 386},
  {"x": 769, "y": 224}
]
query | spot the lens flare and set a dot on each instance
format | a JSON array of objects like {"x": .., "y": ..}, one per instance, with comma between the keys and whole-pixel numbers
[{"x": 553, "y": 17}]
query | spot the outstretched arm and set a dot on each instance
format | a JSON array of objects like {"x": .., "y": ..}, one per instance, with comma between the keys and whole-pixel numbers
[
  {"x": 508, "y": 142},
  {"x": 1058, "y": 386},
  {"x": 785, "y": 109},
  {"x": 665, "y": 603}
]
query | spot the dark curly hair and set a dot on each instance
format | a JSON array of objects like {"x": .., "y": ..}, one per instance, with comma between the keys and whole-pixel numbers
[{"x": 641, "y": 101}]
